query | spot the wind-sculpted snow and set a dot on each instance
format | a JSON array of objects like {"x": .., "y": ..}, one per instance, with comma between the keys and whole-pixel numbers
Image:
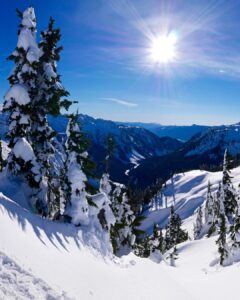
[
  {"x": 75, "y": 260},
  {"x": 16, "y": 283},
  {"x": 42, "y": 258},
  {"x": 187, "y": 191}
]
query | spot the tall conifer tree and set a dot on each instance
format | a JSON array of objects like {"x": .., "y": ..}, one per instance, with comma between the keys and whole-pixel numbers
[
  {"x": 229, "y": 193},
  {"x": 221, "y": 241},
  {"x": 19, "y": 101},
  {"x": 198, "y": 224},
  {"x": 174, "y": 233},
  {"x": 75, "y": 179}
]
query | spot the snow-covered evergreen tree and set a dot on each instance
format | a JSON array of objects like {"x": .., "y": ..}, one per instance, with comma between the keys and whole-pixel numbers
[
  {"x": 235, "y": 235},
  {"x": 77, "y": 207},
  {"x": 48, "y": 101},
  {"x": 1, "y": 157},
  {"x": 174, "y": 233},
  {"x": 143, "y": 247},
  {"x": 122, "y": 233},
  {"x": 53, "y": 91},
  {"x": 111, "y": 144},
  {"x": 19, "y": 101},
  {"x": 101, "y": 214},
  {"x": 213, "y": 225},
  {"x": 172, "y": 256},
  {"x": 209, "y": 207},
  {"x": 156, "y": 240},
  {"x": 221, "y": 241},
  {"x": 229, "y": 193},
  {"x": 198, "y": 224}
]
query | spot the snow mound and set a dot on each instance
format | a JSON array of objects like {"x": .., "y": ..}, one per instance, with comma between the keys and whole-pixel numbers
[
  {"x": 18, "y": 93},
  {"x": 18, "y": 284},
  {"x": 5, "y": 150},
  {"x": 22, "y": 149},
  {"x": 48, "y": 69},
  {"x": 27, "y": 38}
]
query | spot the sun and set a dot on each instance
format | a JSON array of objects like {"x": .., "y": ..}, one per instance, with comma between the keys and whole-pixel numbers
[{"x": 163, "y": 48}]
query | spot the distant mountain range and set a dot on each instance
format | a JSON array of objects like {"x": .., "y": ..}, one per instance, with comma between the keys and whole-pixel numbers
[
  {"x": 133, "y": 143},
  {"x": 182, "y": 133},
  {"x": 204, "y": 150},
  {"x": 146, "y": 151}
]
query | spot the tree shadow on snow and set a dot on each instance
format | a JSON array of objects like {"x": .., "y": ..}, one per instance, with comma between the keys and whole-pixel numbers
[{"x": 56, "y": 232}]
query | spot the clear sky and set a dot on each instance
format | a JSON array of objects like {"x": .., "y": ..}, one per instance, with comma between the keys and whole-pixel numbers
[{"x": 170, "y": 62}]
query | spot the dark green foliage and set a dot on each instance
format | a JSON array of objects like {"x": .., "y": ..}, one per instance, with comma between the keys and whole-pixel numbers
[
  {"x": 229, "y": 194},
  {"x": 2, "y": 162},
  {"x": 110, "y": 145},
  {"x": 141, "y": 197},
  {"x": 147, "y": 244},
  {"x": 102, "y": 219},
  {"x": 77, "y": 157},
  {"x": 79, "y": 144},
  {"x": 142, "y": 247},
  {"x": 198, "y": 224},
  {"x": 19, "y": 13},
  {"x": 51, "y": 55},
  {"x": 221, "y": 241},
  {"x": 235, "y": 232},
  {"x": 25, "y": 73},
  {"x": 157, "y": 240},
  {"x": 135, "y": 226},
  {"x": 174, "y": 233}
]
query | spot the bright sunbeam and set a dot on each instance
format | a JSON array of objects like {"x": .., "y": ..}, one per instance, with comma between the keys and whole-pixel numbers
[{"x": 163, "y": 48}]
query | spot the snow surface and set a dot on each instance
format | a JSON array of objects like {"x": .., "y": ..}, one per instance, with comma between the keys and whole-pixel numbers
[
  {"x": 188, "y": 191},
  {"x": 27, "y": 36},
  {"x": 80, "y": 263},
  {"x": 48, "y": 69},
  {"x": 18, "y": 93},
  {"x": 5, "y": 149},
  {"x": 66, "y": 259},
  {"x": 16, "y": 283},
  {"x": 217, "y": 138},
  {"x": 22, "y": 149}
]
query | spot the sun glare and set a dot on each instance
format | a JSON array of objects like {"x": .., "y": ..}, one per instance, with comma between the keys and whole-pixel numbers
[{"x": 163, "y": 48}]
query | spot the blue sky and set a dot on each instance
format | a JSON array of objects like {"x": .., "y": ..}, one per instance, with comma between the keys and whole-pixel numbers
[{"x": 106, "y": 66}]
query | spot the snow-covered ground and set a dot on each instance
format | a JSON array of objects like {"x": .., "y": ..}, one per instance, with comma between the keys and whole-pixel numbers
[
  {"x": 187, "y": 191},
  {"x": 16, "y": 283},
  {"x": 41, "y": 259}
]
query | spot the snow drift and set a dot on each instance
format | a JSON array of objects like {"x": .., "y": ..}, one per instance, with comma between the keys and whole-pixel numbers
[{"x": 75, "y": 263}]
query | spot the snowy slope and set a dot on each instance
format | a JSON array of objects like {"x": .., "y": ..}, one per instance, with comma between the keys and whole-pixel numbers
[
  {"x": 16, "y": 283},
  {"x": 80, "y": 264},
  {"x": 218, "y": 138},
  {"x": 204, "y": 151},
  {"x": 187, "y": 191},
  {"x": 69, "y": 260}
]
